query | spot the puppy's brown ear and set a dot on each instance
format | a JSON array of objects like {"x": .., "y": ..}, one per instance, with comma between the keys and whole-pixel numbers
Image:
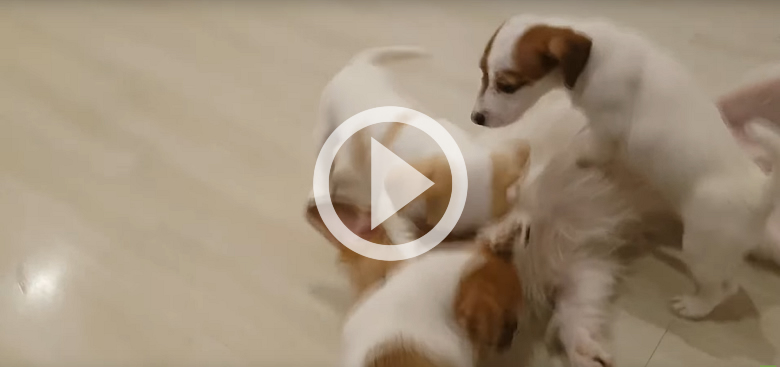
[
  {"x": 487, "y": 303},
  {"x": 572, "y": 51}
]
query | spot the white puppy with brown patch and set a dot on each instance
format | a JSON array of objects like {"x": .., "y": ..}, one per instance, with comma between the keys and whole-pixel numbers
[
  {"x": 447, "y": 308},
  {"x": 363, "y": 84},
  {"x": 644, "y": 110}
]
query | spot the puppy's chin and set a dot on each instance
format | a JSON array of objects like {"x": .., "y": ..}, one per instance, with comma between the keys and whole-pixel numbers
[
  {"x": 497, "y": 120},
  {"x": 494, "y": 123}
]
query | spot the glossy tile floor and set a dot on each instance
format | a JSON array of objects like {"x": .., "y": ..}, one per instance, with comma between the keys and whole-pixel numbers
[{"x": 154, "y": 162}]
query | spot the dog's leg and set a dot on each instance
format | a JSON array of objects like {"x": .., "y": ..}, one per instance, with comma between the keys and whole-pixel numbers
[
  {"x": 579, "y": 316},
  {"x": 712, "y": 260}
]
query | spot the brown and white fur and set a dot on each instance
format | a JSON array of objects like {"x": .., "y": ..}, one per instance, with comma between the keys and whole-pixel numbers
[
  {"x": 363, "y": 84},
  {"x": 446, "y": 308},
  {"x": 644, "y": 111}
]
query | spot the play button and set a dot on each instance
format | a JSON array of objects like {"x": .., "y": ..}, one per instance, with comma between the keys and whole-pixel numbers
[{"x": 394, "y": 183}]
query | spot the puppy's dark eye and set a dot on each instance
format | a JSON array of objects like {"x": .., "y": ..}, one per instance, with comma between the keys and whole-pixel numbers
[{"x": 508, "y": 88}]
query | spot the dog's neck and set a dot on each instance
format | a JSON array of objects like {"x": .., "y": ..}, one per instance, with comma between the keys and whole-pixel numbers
[{"x": 613, "y": 62}]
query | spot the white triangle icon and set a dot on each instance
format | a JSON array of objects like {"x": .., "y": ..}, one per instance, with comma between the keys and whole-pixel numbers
[{"x": 394, "y": 183}]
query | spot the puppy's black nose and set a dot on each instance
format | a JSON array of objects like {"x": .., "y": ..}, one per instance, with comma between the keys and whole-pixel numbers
[{"x": 478, "y": 118}]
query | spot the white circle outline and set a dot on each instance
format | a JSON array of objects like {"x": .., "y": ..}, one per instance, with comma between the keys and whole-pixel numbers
[{"x": 454, "y": 158}]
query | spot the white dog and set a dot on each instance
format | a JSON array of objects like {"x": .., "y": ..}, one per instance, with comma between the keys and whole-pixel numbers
[
  {"x": 563, "y": 234},
  {"x": 646, "y": 111},
  {"x": 363, "y": 84}
]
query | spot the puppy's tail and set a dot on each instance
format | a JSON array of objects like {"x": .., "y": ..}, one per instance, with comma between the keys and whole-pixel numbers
[
  {"x": 380, "y": 55},
  {"x": 768, "y": 137},
  {"x": 370, "y": 56}
]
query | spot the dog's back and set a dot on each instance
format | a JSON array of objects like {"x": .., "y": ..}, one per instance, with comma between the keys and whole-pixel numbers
[{"x": 668, "y": 125}]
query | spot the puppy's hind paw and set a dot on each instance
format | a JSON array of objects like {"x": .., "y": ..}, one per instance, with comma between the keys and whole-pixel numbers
[
  {"x": 587, "y": 352},
  {"x": 697, "y": 306},
  {"x": 692, "y": 307},
  {"x": 591, "y": 361}
]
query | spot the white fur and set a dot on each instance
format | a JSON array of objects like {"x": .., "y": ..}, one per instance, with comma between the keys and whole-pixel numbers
[
  {"x": 646, "y": 111},
  {"x": 564, "y": 232},
  {"x": 363, "y": 84},
  {"x": 414, "y": 306}
]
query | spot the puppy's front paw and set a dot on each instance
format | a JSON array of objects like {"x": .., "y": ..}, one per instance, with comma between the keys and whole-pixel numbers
[
  {"x": 585, "y": 351},
  {"x": 501, "y": 237}
]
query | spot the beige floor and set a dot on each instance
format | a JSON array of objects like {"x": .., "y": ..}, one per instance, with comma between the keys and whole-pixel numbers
[{"x": 154, "y": 161}]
